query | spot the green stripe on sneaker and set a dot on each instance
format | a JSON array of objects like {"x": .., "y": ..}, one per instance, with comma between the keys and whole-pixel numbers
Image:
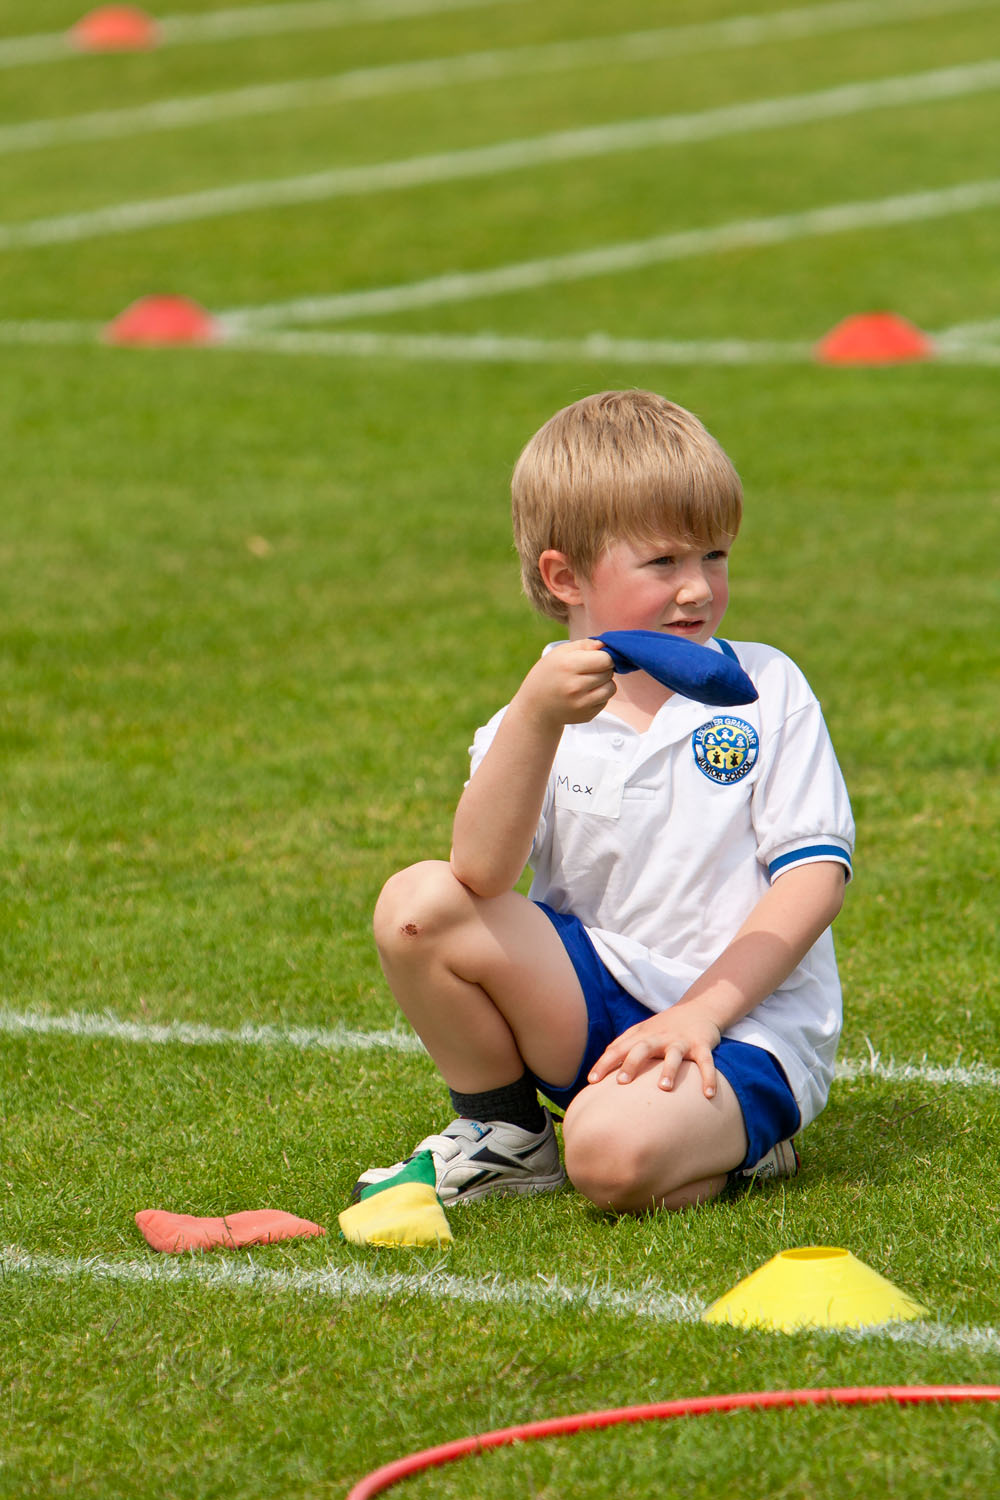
[{"x": 420, "y": 1168}]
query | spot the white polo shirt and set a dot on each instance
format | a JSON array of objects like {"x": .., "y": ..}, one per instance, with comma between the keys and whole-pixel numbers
[{"x": 662, "y": 843}]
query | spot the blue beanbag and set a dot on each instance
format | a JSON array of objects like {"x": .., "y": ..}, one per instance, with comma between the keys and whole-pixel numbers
[{"x": 684, "y": 666}]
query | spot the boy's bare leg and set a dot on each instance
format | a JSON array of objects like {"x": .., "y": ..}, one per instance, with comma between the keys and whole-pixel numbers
[
  {"x": 633, "y": 1147},
  {"x": 486, "y": 984},
  {"x": 490, "y": 989}
]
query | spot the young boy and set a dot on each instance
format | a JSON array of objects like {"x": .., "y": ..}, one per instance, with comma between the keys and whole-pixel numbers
[{"x": 670, "y": 981}]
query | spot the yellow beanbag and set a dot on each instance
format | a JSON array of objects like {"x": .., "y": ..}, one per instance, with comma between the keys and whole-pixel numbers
[{"x": 403, "y": 1210}]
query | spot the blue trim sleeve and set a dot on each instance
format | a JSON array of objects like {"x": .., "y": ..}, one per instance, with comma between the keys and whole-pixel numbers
[{"x": 807, "y": 855}]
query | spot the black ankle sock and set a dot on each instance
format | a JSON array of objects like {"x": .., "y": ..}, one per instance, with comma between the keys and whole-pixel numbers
[{"x": 515, "y": 1104}]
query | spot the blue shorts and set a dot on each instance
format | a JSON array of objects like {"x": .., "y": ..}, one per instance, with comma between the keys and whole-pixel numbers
[{"x": 758, "y": 1080}]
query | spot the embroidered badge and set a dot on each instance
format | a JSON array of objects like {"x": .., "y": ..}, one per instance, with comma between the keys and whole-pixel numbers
[{"x": 725, "y": 749}]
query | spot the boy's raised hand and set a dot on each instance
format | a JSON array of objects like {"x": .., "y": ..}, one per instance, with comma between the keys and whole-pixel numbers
[
  {"x": 683, "y": 1031},
  {"x": 498, "y": 812},
  {"x": 570, "y": 684}
]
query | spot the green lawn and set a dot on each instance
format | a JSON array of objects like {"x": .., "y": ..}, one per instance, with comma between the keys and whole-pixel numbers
[{"x": 253, "y": 607}]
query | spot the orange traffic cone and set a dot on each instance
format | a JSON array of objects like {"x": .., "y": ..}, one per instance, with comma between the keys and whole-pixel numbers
[
  {"x": 162, "y": 320},
  {"x": 881, "y": 338},
  {"x": 115, "y": 28}
]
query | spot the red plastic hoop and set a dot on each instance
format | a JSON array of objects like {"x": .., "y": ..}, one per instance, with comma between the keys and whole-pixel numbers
[{"x": 384, "y": 1478}]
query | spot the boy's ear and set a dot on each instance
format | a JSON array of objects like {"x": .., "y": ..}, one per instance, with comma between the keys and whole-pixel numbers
[{"x": 559, "y": 576}]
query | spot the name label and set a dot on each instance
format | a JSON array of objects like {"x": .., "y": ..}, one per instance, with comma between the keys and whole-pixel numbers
[{"x": 589, "y": 784}]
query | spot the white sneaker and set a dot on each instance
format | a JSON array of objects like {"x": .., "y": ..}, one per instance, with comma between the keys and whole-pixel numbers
[
  {"x": 781, "y": 1161},
  {"x": 475, "y": 1158}
]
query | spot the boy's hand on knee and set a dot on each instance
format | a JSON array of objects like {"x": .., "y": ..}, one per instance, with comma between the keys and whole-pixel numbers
[
  {"x": 569, "y": 685},
  {"x": 679, "y": 1034}
]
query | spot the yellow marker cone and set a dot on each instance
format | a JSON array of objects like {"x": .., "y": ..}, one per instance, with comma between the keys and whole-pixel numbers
[{"x": 817, "y": 1286}]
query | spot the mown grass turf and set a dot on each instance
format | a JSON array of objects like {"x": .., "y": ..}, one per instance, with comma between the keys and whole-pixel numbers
[
  {"x": 252, "y": 608},
  {"x": 300, "y": 1389}
]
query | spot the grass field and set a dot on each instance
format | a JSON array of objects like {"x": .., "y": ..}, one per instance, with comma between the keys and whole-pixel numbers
[{"x": 257, "y": 597}]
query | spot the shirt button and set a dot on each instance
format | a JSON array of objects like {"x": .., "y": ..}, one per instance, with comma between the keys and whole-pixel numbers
[{"x": 618, "y": 740}]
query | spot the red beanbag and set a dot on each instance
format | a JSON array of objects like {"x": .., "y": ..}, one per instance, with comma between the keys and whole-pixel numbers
[{"x": 175, "y": 1233}]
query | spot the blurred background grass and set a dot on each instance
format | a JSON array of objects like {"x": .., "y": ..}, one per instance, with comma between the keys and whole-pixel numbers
[{"x": 253, "y": 606}]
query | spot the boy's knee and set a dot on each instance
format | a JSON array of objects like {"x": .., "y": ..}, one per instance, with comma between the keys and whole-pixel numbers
[
  {"x": 627, "y": 1175},
  {"x": 617, "y": 1175},
  {"x": 413, "y": 902}
]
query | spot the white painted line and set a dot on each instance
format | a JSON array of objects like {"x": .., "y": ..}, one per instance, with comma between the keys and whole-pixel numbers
[
  {"x": 86, "y": 1025},
  {"x": 959, "y": 1075},
  {"x": 961, "y": 335},
  {"x": 506, "y": 156},
  {"x": 22, "y": 51},
  {"x": 489, "y": 348},
  {"x": 37, "y": 331},
  {"x": 248, "y": 21},
  {"x": 920, "y": 1334},
  {"x": 747, "y": 30},
  {"x": 634, "y": 255},
  {"x": 305, "y": 15},
  {"x": 970, "y": 354},
  {"x": 544, "y": 1294},
  {"x": 431, "y": 74}
]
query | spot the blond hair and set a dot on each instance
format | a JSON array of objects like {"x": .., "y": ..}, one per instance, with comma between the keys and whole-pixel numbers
[{"x": 618, "y": 466}]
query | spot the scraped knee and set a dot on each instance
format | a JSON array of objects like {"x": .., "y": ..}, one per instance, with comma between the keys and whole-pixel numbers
[{"x": 416, "y": 903}]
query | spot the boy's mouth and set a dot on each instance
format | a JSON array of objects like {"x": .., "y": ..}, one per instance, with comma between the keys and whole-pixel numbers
[{"x": 684, "y": 627}]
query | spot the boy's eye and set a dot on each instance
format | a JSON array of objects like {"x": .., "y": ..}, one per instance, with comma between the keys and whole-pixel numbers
[
  {"x": 672, "y": 559},
  {"x": 719, "y": 554}
]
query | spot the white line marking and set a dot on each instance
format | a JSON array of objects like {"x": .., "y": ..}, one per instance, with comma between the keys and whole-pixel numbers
[
  {"x": 506, "y": 156},
  {"x": 23, "y": 51},
  {"x": 545, "y": 1294},
  {"x": 962, "y": 1075},
  {"x": 634, "y": 255},
  {"x": 964, "y": 1339},
  {"x": 962, "y": 334},
  {"x": 969, "y": 354},
  {"x": 37, "y": 331},
  {"x": 436, "y": 73},
  {"x": 305, "y": 15},
  {"x": 253, "y": 20},
  {"x": 489, "y": 348},
  {"x": 87, "y": 1025},
  {"x": 355, "y": 1281}
]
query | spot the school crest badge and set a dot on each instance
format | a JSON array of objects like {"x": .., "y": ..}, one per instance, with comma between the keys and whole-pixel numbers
[{"x": 725, "y": 749}]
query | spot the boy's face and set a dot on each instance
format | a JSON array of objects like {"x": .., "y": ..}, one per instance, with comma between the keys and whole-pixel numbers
[{"x": 669, "y": 586}]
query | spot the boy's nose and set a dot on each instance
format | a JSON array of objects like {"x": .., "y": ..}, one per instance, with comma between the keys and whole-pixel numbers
[{"x": 695, "y": 588}]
